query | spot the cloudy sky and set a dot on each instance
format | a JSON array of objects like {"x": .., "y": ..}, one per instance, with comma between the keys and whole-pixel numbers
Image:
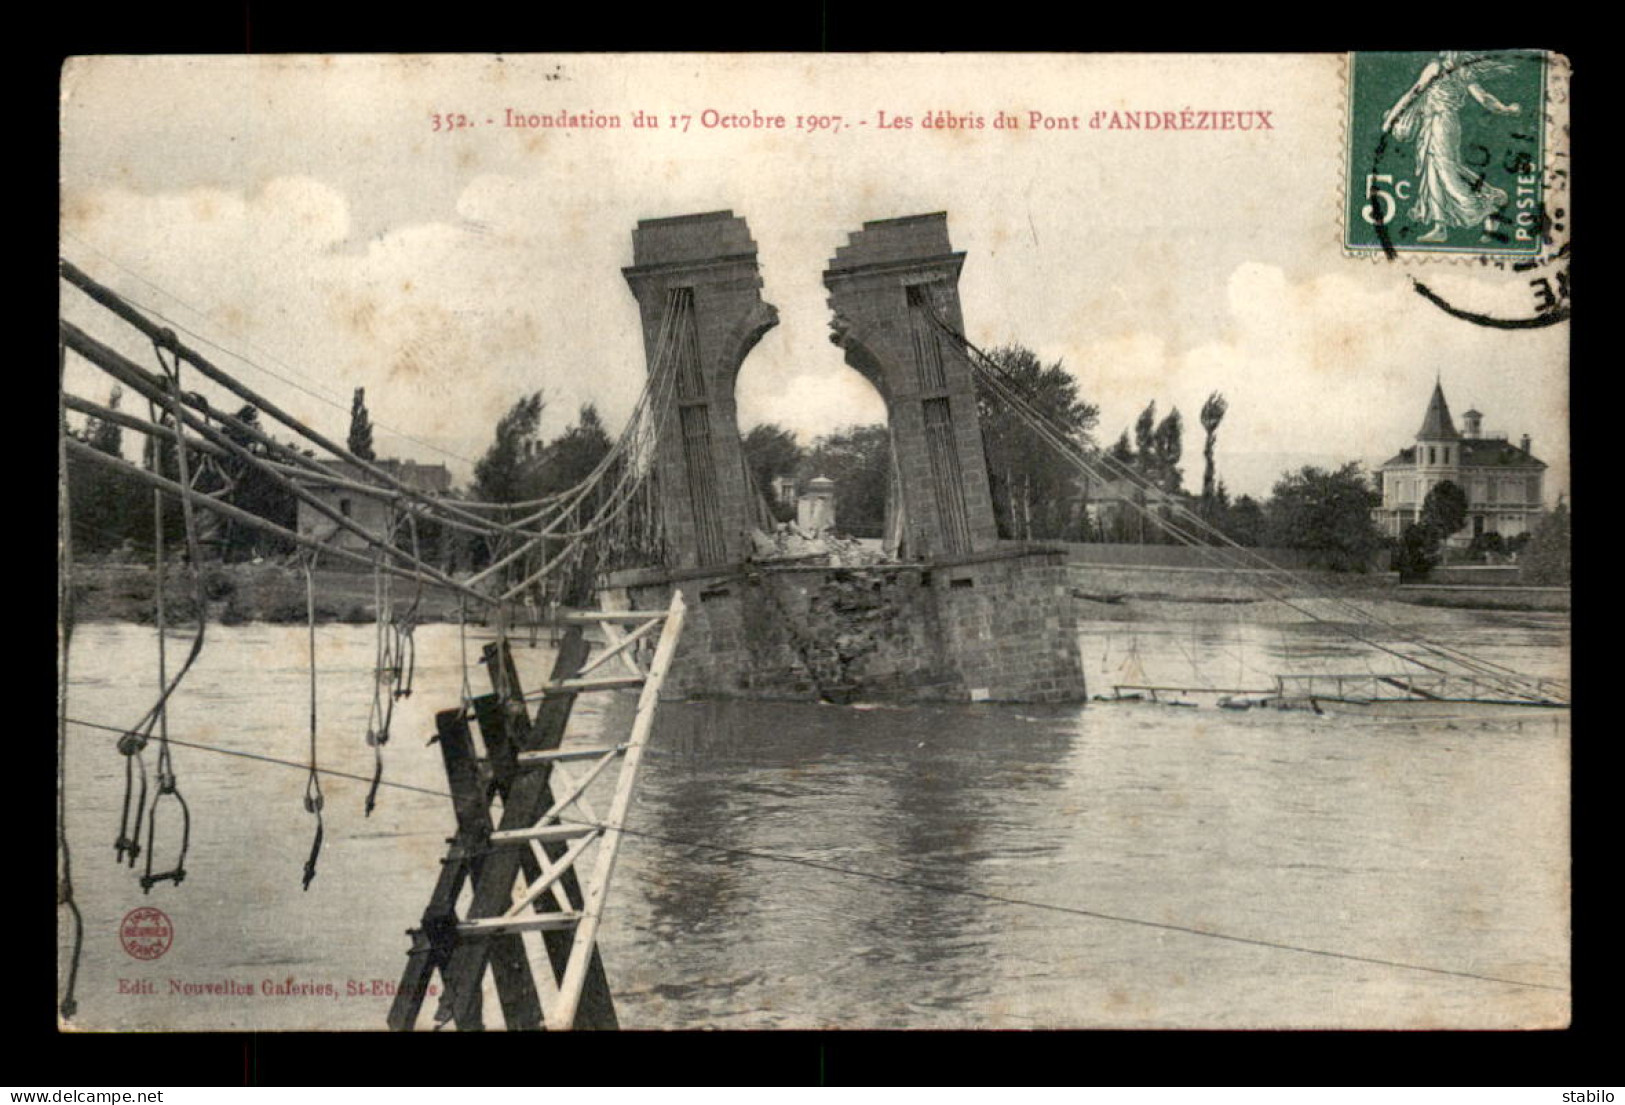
[{"x": 305, "y": 217}]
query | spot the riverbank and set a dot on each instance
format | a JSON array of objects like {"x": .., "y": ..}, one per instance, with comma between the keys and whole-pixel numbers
[
  {"x": 1492, "y": 597},
  {"x": 241, "y": 593},
  {"x": 1232, "y": 593}
]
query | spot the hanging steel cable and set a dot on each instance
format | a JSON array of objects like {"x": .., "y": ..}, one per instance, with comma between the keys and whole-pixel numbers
[
  {"x": 636, "y": 463},
  {"x": 79, "y": 450},
  {"x": 313, "y": 780},
  {"x": 1189, "y": 527},
  {"x": 134, "y": 807},
  {"x": 394, "y": 661},
  {"x": 68, "y": 1005},
  {"x": 385, "y": 676},
  {"x": 1069, "y": 450},
  {"x": 636, "y": 439},
  {"x": 599, "y": 508},
  {"x": 127, "y": 374},
  {"x": 994, "y": 379},
  {"x": 168, "y": 783},
  {"x": 295, "y": 468},
  {"x": 113, "y": 302},
  {"x": 328, "y": 399}
]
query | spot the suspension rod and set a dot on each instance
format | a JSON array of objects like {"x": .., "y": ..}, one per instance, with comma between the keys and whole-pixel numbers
[
  {"x": 122, "y": 370},
  {"x": 237, "y": 514},
  {"x": 166, "y": 338}
]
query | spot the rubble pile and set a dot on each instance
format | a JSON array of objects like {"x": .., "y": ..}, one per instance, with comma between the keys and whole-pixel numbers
[{"x": 789, "y": 542}]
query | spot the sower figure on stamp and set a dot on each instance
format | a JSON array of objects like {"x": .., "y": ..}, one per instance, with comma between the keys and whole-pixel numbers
[{"x": 1448, "y": 192}]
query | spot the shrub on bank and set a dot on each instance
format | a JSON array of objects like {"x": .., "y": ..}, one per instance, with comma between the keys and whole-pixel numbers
[
  {"x": 218, "y": 585},
  {"x": 285, "y": 610}
]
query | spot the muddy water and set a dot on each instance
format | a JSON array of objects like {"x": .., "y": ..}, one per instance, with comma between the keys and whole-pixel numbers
[{"x": 872, "y": 866}]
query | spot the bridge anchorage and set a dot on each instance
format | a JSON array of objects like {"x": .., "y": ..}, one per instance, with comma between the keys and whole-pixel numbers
[{"x": 951, "y": 613}]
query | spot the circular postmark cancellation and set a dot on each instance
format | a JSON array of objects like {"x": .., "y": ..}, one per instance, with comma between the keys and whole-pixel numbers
[
  {"x": 1462, "y": 157},
  {"x": 146, "y": 933}
]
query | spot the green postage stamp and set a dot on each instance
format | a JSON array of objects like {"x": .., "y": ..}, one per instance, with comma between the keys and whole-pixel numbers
[{"x": 1447, "y": 153}]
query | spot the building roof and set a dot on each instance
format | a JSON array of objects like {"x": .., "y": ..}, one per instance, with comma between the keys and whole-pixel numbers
[
  {"x": 1483, "y": 452},
  {"x": 435, "y": 478},
  {"x": 1476, "y": 452},
  {"x": 429, "y": 478},
  {"x": 1436, "y": 424}
]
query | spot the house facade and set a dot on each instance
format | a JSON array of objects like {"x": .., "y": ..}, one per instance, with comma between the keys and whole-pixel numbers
[
  {"x": 811, "y": 502},
  {"x": 1115, "y": 507},
  {"x": 370, "y": 512},
  {"x": 1503, "y": 482}
]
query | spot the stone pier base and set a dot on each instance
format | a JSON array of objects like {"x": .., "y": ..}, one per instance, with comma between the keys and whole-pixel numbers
[{"x": 996, "y": 626}]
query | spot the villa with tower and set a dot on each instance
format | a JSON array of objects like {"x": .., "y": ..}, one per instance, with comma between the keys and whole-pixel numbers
[{"x": 1502, "y": 481}]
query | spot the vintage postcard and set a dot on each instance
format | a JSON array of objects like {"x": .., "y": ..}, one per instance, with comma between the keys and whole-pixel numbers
[{"x": 799, "y": 541}]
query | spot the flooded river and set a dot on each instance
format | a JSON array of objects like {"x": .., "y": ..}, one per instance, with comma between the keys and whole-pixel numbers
[{"x": 800, "y": 866}]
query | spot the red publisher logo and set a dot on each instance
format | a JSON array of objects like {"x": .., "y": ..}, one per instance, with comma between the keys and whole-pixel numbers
[{"x": 146, "y": 933}]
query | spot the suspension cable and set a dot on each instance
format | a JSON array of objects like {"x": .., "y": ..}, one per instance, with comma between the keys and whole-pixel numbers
[
  {"x": 1178, "y": 531},
  {"x": 943, "y": 888},
  {"x": 113, "y": 302},
  {"x": 1048, "y": 430},
  {"x": 622, "y": 465},
  {"x": 313, "y": 781},
  {"x": 652, "y": 397},
  {"x": 68, "y": 1006},
  {"x": 168, "y": 784}
]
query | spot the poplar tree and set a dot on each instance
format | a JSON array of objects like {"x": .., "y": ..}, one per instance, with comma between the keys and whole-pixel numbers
[
  {"x": 360, "y": 442},
  {"x": 1169, "y": 441},
  {"x": 1213, "y": 412}
]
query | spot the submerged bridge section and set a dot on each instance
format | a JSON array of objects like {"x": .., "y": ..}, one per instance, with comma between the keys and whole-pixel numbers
[{"x": 958, "y": 615}]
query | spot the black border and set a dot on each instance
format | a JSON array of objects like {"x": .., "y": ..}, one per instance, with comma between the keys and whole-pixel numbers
[{"x": 41, "y": 1056}]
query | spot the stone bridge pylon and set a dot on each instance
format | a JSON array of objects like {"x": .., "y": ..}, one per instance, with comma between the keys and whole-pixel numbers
[
  {"x": 957, "y": 615},
  {"x": 699, "y": 273},
  {"x": 885, "y": 284}
]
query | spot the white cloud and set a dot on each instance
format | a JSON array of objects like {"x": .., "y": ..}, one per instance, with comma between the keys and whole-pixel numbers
[
  {"x": 445, "y": 325},
  {"x": 449, "y": 274},
  {"x": 810, "y": 403},
  {"x": 1338, "y": 365}
]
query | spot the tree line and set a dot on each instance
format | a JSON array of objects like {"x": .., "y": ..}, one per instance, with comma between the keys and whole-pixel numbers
[
  {"x": 1036, "y": 493},
  {"x": 113, "y": 512}
]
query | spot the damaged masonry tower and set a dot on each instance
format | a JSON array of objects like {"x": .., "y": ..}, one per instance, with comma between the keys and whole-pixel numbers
[
  {"x": 958, "y": 615},
  {"x": 888, "y": 285},
  {"x": 699, "y": 274}
]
